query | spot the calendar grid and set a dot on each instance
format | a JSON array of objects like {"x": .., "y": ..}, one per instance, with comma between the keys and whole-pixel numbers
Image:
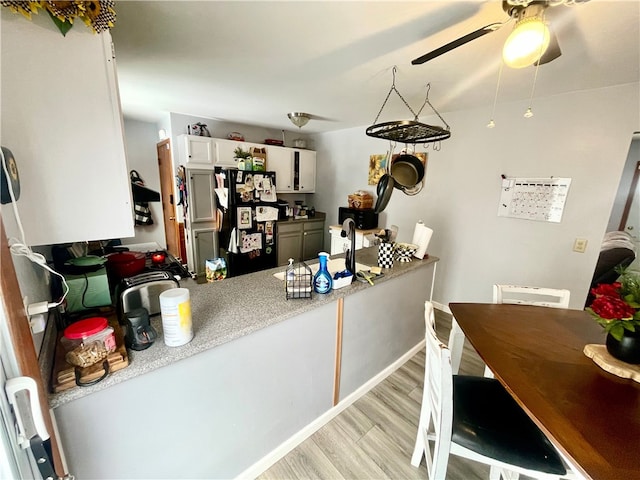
[{"x": 540, "y": 199}]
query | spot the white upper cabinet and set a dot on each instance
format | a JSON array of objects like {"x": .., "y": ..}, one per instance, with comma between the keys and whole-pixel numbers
[
  {"x": 295, "y": 169},
  {"x": 196, "y": 151},
  {"x": 61, "y": 119},
  {"x": 306, "y": 170},
  {"x": 280, "y": 160},
  {"x": 225, "y": 149}
]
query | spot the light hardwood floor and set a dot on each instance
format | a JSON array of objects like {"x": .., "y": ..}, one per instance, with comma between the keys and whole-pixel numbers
[{"x": 374, "y": 437}]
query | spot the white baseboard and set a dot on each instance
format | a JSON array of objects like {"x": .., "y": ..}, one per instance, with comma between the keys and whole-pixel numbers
[
  {"x": 442, "y": 307},
  {"x": 285, "y": 447}
]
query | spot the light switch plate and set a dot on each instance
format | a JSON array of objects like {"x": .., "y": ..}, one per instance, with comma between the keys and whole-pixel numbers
[{"x": 580, "y": 245}]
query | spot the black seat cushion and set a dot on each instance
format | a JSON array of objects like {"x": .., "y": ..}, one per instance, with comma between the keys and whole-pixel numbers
[{"x": 488, "y": 421}]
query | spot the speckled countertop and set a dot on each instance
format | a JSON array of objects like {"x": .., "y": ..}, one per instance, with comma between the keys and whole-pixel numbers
[
  {"x": 317, "y": 217},
  {"x": 227, "y": 310}
]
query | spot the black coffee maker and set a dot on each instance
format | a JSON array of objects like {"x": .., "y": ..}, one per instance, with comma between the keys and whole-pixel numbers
[{"x": 139, "y": 332}]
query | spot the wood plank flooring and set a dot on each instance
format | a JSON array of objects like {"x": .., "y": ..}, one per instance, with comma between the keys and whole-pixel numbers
[{"x": 374, "y": 437}]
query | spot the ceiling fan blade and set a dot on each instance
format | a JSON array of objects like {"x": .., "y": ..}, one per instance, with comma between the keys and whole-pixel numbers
[
  {"x": 457, "y": 43},
  {"x": 553, "y": 50}
]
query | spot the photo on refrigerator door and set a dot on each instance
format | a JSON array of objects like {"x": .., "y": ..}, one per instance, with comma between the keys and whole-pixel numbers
[{"x": 244, "y": 218}]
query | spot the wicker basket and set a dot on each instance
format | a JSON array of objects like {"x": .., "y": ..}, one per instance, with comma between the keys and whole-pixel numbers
[{"x": 360, "y": 201}]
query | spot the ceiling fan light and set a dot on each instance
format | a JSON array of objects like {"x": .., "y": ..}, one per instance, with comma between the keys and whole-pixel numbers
[
  {"x": 299, "y": 119},
  {"x": 526, "y": 44}
]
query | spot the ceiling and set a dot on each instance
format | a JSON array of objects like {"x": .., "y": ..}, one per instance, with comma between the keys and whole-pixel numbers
[{"x": 252, "y": 62}]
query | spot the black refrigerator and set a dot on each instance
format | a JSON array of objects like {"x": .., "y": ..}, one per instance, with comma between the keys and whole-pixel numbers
[{"x": 247, "y": 237}]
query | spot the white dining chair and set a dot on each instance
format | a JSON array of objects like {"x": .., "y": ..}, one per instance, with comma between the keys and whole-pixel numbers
[
  {"x": 513, "y": 294},
  {"x": 476, "y": 418},
  {"x": 524, "y": 295}
]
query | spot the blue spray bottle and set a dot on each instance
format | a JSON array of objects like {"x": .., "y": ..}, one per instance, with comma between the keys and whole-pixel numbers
[{"x": 322, "y": 282}]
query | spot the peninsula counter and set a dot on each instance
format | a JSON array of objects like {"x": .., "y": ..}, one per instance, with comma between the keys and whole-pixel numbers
[{"x": 259, "y": 370}]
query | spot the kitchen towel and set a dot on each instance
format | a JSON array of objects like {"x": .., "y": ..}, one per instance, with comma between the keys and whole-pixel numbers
[
  {"x": 421, "y": 238},
  {"x": 233, "y": 242}
]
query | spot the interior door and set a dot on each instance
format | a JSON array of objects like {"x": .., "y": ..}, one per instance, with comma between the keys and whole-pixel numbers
[{"x": 165, "y": 169}]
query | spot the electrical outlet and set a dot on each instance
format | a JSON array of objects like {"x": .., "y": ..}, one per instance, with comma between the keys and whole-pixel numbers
[{"x": 580, "y": 245}]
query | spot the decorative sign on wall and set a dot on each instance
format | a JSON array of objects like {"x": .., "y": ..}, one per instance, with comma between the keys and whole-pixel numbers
[
  {"x": 378, "y": 164},
  {"x": 377, "y": 167},
  {"x": 539, "y": 199}
]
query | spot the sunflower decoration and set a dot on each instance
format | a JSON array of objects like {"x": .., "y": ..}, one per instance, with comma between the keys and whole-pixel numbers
[{"x": 99, "y": 15}]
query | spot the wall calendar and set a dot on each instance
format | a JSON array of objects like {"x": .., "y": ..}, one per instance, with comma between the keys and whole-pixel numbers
[{"x": 540, "y": 199}]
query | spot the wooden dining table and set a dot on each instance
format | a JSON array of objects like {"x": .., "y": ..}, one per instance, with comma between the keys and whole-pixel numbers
[{"x": 590, "y": 415}]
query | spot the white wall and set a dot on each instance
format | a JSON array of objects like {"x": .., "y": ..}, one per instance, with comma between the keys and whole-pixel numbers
[
  {"x": 140, "y": 142},
  {"x": 583, "y": 135}
]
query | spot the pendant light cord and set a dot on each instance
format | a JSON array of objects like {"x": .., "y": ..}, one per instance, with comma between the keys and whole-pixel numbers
[
  {"x": 529, "y": 112},
  {"x": 491, "y": 123}
]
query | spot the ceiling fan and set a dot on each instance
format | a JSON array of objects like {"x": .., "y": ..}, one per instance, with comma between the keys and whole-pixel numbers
[{"x": 519, "y": 51}]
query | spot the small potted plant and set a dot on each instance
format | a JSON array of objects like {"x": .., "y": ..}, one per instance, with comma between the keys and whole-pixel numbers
[
  {"x": 616, "y": 307},
  {"x": 244, "y": 159}
]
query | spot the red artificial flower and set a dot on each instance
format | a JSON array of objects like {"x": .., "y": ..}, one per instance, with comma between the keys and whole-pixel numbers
[
  {"x": 607, "y": 290},
  {"x": 612, "y": 308}
]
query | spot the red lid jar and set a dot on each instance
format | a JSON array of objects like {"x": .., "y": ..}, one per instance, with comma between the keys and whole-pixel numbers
[
  {"x": 85, "y": 328},
  {"x": 88, "y": 341}
]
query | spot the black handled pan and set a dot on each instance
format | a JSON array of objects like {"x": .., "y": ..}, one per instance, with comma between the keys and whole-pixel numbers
[{"x": 384, "y": 191}]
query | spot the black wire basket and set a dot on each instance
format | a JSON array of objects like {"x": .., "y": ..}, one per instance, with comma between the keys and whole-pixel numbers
[{"x": 298, "y": 281}]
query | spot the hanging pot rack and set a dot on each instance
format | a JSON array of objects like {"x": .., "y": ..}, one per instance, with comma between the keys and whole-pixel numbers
[{"x": 408, "y": 131}]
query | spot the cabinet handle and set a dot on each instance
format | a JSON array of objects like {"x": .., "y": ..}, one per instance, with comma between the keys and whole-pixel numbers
[
  {"x": 172, "y": 218},
  {"x": 305, "y": 234}
]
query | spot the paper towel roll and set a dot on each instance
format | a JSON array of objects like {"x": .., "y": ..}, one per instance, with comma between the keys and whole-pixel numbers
[{"x": 421, "y": 237}]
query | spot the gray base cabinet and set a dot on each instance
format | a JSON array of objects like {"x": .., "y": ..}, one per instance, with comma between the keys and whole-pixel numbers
[
  {"x": 205, "y": 247},
  {"x": 312, "y": 239},
  {"x": 289, "y": 242},
  {"x": 299, "y": 240}
]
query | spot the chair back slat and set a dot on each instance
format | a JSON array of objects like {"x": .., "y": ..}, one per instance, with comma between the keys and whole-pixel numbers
[{"x": 525, "y": 295}]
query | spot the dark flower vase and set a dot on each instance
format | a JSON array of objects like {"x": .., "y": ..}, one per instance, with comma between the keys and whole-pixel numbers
[{"x": 627, "y": 349}]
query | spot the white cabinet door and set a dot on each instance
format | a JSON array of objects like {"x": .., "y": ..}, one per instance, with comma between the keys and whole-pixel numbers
[
  {"x": 197, "y": 152},
  {"x": 306, "y": 170},
  {"x": 280, "y": 160},
  {"x": 61, "y": 119},
  {"x": 295, "y": 169},
  {"x": 225, "y": 151}
]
